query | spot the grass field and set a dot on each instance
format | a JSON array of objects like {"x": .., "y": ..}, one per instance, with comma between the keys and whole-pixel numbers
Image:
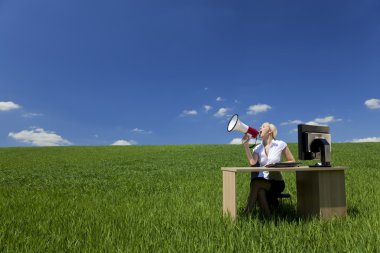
[{"x": 169, "y": 199}]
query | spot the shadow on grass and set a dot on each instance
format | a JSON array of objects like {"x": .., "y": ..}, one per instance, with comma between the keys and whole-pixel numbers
[
  {"x": 285, "y": 212},
  {"x": 353, "y": 211}
]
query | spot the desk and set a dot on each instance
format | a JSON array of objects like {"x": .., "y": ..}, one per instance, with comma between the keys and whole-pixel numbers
[{"x": 320, "y": 190}]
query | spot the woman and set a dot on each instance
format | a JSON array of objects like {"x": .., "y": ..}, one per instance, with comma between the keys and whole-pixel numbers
[{"x": 268, "y": 184}]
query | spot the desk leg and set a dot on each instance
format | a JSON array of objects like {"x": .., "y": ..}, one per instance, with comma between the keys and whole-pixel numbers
[
  {"x": 321, "y": 193},
  {"x": 229, "y": 194}
]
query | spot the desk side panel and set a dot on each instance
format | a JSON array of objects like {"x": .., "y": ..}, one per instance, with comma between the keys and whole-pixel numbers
[
  {"x": 332, "y": 194},
  {"x": 307, "y": 193}
]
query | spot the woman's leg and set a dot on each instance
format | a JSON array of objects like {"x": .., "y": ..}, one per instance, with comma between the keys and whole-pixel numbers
[
  {"x": 256, "y": 186},
  {"x": 250, "y": 200},
  {"x": 263, "y": 202},
  {"x": 272, "y": 195}
]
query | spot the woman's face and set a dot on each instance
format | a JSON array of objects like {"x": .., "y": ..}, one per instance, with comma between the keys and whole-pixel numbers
[{"x": 264, "y": 130}]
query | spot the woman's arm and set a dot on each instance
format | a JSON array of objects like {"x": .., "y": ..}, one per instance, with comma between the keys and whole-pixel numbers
[
  {"x": 252, "y": 159},
  {"x": 288, "y": 154}
]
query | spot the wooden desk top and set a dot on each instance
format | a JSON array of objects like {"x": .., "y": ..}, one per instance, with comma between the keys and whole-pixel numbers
[{"x": 283, "y": 169}]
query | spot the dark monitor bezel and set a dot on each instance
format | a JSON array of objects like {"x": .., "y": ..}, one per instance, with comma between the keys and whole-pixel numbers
[{"x": 303, "y": 131}]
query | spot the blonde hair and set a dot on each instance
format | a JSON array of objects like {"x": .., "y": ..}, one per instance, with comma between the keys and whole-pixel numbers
[{"x": 272, "y": 128}]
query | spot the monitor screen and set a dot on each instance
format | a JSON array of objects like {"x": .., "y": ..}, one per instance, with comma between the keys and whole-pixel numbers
[{"x": 314, "y": 142}]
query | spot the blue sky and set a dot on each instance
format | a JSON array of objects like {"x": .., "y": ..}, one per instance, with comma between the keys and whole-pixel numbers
[{"x": 173, "y": 72}]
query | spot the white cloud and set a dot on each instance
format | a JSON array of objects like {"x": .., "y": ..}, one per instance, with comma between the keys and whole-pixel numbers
[
  {"x": 7, "y": 106},
  {"x": 219, "y": 99},
  {"x": 221, "y": 112},
  {"x": 323, "y": 121},
  {"x": 316, "y": 122},
  {"x": 369, "y": 139},
  {"x": 32, "y": 115},
  {"x": 255, "y": 109},
  {"x": 291, "y": 122},
  {"x": 124, "y": 143},
  {"x": 137, "y": 130},
  {"x": 373, "y": 103},
  {"x": 207, "y": 108},
  {"x": 189, "y": 113},
  {"x": 39, "y": 137},
  {"x": 312, "y": 123},
  {"x": 141, "y": 131}
]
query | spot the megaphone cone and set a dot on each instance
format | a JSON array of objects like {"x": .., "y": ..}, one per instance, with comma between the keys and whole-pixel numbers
[{"x": 236, "y": 125}]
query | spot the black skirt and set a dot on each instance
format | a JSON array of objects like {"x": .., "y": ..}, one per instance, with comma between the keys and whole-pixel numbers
[{"x": 276, "y": 187}]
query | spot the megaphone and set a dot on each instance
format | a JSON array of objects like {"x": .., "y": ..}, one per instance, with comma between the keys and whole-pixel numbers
[{"x": 236, "y": 125}]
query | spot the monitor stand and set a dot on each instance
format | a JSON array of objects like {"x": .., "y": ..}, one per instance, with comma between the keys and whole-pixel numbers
[{"x": 321, "y": 145}]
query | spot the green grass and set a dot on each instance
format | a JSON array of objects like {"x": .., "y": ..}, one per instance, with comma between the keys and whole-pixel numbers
[{"x": 169, "y": 199}]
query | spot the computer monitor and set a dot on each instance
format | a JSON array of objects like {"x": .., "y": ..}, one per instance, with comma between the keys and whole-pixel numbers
[{"x": 314, "y": 142}]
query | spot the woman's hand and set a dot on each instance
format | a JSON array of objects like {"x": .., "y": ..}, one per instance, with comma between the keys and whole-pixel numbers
[{"x": 246, "y": 139}]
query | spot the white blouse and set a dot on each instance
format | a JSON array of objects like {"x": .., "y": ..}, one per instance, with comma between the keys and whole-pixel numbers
[{"x": 274, "y": 156}]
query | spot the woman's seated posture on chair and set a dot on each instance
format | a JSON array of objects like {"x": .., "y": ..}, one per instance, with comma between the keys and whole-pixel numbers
[{"x": 267, "y": 185}]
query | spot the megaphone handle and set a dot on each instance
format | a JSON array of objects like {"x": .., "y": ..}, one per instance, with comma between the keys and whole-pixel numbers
[{"x": 246, "y": 138}]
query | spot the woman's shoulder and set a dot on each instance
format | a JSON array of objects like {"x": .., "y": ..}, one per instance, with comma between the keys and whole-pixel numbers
[{"x": 281, "y": 143}]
